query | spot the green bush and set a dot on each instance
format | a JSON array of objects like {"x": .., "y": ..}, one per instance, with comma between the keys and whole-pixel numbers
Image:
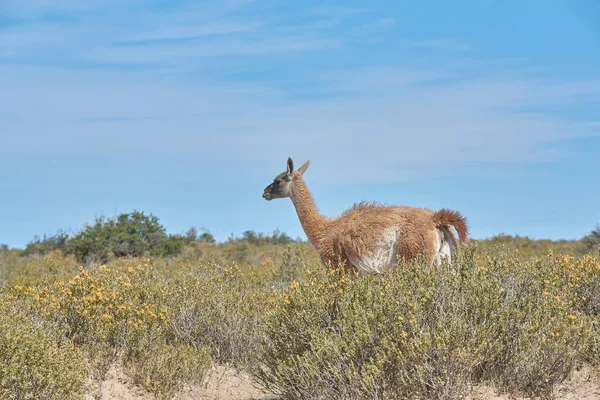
[
  {"x": 220, "y": 308},
  {"x": 426, "y": 332},
  {"x": 47, "y": 244},
  {"x": 498, "y": 317},
  {"x": 50, "y": 268},
  {"x": 592, "y": 241},
  {"x": 36, "y": 362},
  {"x": 528, "y": 248},
  {"x": 128, "y": 235},
  {"x": 118, "y": 311},
  {"x": 161, "y": 367},
  {"x": 11, "y": 264}
]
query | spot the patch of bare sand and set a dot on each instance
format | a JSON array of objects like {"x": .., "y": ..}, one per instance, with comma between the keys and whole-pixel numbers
[
  {"x": 224, "y": 383},
  {"x": 117, "y": 385},
  {"x": 584, "y": 384}
]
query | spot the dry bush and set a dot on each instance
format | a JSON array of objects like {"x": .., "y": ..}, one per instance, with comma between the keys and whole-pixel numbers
[
  {"x": 116, "y": 312},
  {"x": 35, "y": 361},
  {"x": 430, "y": 332},
  {"x": 495, "y": 317}
]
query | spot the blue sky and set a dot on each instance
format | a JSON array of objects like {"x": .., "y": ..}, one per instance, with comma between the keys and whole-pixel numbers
[{"x": 188, "y": 109}]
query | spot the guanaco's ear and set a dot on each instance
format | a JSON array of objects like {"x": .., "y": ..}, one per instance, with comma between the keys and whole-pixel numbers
[
  {"x": 290, "y": 165},
  {"x": 303, "y": 167}
]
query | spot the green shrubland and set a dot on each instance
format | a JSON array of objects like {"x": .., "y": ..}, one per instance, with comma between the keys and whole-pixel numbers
[
  {"x": 426, "y": 332},
  {"x": 507, "y": 313},
  {"x": 35, "y": 361}
]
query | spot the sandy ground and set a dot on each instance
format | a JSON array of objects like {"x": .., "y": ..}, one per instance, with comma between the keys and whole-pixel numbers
[
  {"x": 222, "y": 383},
  {"x": 226, "y": 384},
  {"x": 583, "y": 385}
]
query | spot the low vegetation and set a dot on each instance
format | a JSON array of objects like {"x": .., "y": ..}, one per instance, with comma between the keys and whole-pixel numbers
[
  {"x": 509, "y": 313},
  {"x": 519, "y": 326},
  {"x": 127, "y": 235}
]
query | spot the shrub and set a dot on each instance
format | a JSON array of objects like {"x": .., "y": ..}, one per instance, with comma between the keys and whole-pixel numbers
[
  {"x": 47, "y": 244},
  {"x": 528, "y": 248},
  {"x": 277, "y": 237},
  {"x": 11, "y": 264},
  {"x": 121, "y": 310},
  {"x": 592, "y": 241},
  {"x": 220, "y": 308},
  {"x": 50, "y": 268},
  {"x": 424, "y": 331},
  {"x": 161, "y": 367},
  {"x": 128, "y": 235},
  {"x": 206, "y": 237},
  {"x": 37, "y": 363},
  {"x": 497, "y": 317}
]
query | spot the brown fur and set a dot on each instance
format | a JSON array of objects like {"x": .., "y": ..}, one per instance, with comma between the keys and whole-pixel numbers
[
  {"x": 447, "y": 218},
  {"x": 357, "y": 231}
]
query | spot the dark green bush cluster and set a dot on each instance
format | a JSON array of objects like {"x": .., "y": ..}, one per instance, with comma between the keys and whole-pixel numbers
[
  {"x": 592, "y": 241},
  {"x": 127, "y": 235},
  {"x": 277, "y": 237},
  {"x": 426, "y": 332},
  {"x": 47, "y": 244}
]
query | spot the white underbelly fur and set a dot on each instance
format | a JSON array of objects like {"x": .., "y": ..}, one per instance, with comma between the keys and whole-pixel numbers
[
  {"x": 443, "y": 242},
  {"x": 384, "y": 258}
]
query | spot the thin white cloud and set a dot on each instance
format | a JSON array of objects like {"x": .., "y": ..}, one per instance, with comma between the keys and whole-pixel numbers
[
  {"x": 75, "y": 9},
  {"x": 208, "y": 49},
  {"x": 328, "y": 10},
  {"x": 420, "y": 128},
  {"x": 441, "y": 44},
  {"x": 179, "y": 101},
  {"x": 378, "y": 80},
  {"x": 378, "y": 26},
  {"x": 197, "y": 30},
  {"x": 37, "y": 8},
  {"x": 181, "y": 35}
]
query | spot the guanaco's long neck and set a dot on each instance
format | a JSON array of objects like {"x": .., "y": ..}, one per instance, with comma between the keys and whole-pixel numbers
[{"x": 313, "y": 223}]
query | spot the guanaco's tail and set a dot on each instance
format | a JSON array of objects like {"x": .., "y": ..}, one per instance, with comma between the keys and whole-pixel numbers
[{"x": 447, "y": 218}]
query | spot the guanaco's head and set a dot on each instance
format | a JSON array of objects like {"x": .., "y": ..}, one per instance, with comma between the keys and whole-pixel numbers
[{"x": 282, "y": 184}]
